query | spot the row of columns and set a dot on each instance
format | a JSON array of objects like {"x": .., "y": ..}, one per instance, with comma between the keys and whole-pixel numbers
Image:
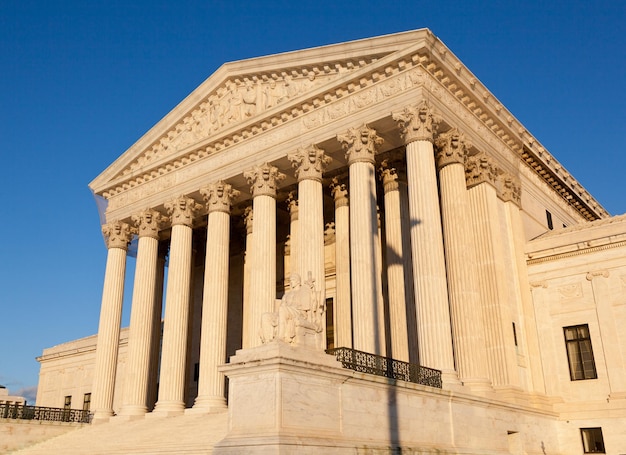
[{"x": 442, "y": 304}]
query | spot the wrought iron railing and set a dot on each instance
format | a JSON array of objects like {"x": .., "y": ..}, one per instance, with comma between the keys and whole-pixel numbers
[
  {"x": 25, "y": 412},
  {"x": 364, "y": 362}
]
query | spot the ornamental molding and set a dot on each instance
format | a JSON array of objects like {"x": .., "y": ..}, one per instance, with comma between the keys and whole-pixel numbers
[{"x": 363, "y": 73}]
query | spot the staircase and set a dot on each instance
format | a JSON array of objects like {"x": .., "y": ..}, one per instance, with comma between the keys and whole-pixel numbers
[{"x": 185, "y": 434}]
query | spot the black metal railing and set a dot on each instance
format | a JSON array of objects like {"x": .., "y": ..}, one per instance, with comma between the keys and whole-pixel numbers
[
  {"x": 25, "y": 412},
  {"x": 365, "y": 362}
]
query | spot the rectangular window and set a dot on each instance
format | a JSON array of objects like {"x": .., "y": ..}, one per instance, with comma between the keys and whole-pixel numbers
[
  {"x": 592, "y": 440},
  {"x": 86, "y": 402},
  {"x": 549, "y": 220},
  {"x": 514, "y": 334},
  {"x": 68, "y": 402},
  {"x": 579, "y": 352}
]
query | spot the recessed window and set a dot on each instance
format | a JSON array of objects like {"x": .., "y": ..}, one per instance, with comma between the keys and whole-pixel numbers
[
  {"x": 549, "y": 220},
  {"x": 68, "y": 402},
  {"x": 86, "y": 402},
  {"x": 579, "y": 352},
  {"x": 592, "y": 440}
]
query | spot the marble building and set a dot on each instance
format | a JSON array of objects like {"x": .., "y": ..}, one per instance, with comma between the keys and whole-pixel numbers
[{"x": 375, "y": 196}]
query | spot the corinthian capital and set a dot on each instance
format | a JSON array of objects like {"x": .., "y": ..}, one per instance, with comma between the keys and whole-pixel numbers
[
  {"x": 451, "y": 148},
  {"x": 247, "y": 219},
  {"x": 182, "y": 210},
  {"x": 479, "y": 169},
  {"x": 389, "y": 175},
  {"x": 360, "y": 144},
  {"x": 219, "y": 196},
  {"x": 117, "y": 234},
  {"x": 263, "y": 179},
  {"x": 309, "y": 163},
  {"x": 148, "y": 223},
  {"x": 510, "y": 189},
  {"x": 418, "y": 122},
  {"x": 339, "y": 191},
  {"x": 292, "y": 205}
]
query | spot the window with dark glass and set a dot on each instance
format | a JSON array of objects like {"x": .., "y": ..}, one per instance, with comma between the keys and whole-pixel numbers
[
  {"x": 68, "y": 402},
  {"x": 549, "y": 220},
  {"x": 86, "y": 402},
  {"x": 592, "y": 440},
  {"x": 579, "y": 352}
]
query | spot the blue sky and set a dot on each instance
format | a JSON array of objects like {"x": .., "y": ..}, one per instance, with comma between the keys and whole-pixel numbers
[{"x": 81, "y": 81}]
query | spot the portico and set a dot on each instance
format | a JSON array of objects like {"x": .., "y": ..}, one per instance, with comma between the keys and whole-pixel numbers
[{"x": 428, "y": 180}]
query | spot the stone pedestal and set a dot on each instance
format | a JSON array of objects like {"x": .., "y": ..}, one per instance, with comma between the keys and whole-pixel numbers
[{"x": 283, "y": 399}]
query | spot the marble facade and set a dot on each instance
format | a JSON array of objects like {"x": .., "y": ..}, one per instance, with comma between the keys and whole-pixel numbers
[{"x": 430, "y": 226}]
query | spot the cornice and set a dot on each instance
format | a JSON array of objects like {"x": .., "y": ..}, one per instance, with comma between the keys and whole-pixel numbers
[
  {"x": 354, "y": 89},
  {"x": 576, "y": 250}
]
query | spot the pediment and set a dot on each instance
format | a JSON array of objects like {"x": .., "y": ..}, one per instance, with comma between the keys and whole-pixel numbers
[{"x": 244, "y": 92}]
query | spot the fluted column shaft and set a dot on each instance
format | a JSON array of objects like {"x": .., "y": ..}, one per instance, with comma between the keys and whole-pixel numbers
[
  {"x": 117, "y": 235},
  {"x": 142, "y": 315},
  {"x": 511, "y": 197},
  {"x": 360, "y": 149},
  {"x": 264, "y": 180},
  {"x": 465, "y": 309},
  {"x": 247, "y": 333},
  {"x": 157, "y": 329},
  {"x": 481, "y": 175},
  {"x": 429, "y": 268},
  {"x": 215, "y": 298},
  {"x": 342, "y": 309},
  {"x": 176, "y": 326},
  {"x": 294, "y": 233},
  {"x": 394, "y": 255}
]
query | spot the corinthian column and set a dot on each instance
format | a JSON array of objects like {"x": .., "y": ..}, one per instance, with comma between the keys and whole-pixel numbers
[
  {"x": 368, "y": 330},
  {"x": 528, "y": 339},
  {"x": 218, "y": 197},
  {"x": 418, "y": 124},
  {"x": 263, "y": 180},
  {"x": 481, "y": 175},
  {"x": 309, "y": 164},
  {"x": 397, "y": 263},
  {"x": 294, "y": 242},
  {"x": 175, "y": 329},
  {"x": 467, "y": 324},
  {"x": 117, "y": 235},
  {"x": 247, "y": 333},
  {"x": 342, "y": 309},
  {"x": 142, "y": 314}
]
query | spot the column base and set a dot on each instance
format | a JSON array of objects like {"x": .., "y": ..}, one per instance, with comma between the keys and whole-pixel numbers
[
  {"x": 208, "y": 405},
  {"x": 132, "y": 412},
  {"x": 168, "y": 409},
  {"x": 478, "y": 385},
  {"x": 101, "y": 417}
]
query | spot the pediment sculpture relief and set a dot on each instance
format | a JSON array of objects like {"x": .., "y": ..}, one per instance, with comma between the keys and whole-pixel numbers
[{"x": 239, "y": 99}]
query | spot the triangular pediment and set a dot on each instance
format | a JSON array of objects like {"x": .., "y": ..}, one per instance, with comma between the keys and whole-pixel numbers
[{"x": 244, "y": 92}]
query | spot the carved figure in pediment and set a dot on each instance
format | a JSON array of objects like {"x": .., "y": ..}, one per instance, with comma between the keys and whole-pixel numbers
[{"x": 249, "y": 99}]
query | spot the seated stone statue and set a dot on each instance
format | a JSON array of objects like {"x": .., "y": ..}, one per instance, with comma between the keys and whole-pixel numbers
[{"x": 300, "y": 316}]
